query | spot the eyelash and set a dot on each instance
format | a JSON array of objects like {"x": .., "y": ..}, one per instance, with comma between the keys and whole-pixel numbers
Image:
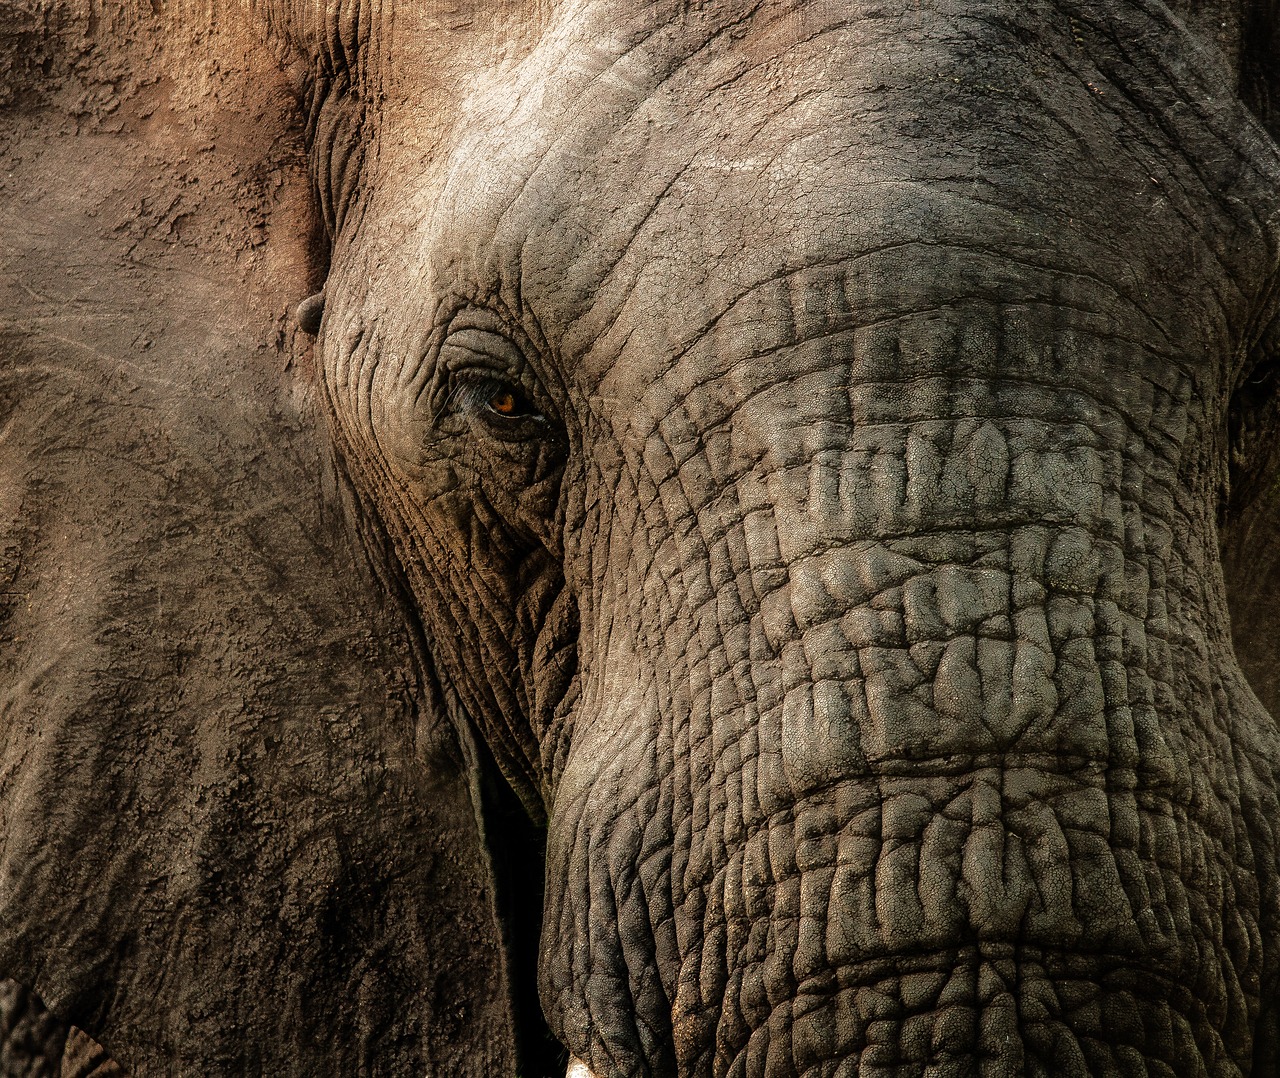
[{"x": 476, "y": 394}]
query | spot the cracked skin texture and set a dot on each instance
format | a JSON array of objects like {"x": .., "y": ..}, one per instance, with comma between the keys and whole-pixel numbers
[
  {"x": 849, "y": 596},
  {"x": 843, "y": 577}
]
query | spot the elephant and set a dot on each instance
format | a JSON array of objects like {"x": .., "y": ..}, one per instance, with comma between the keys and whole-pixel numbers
[
  {"x": 807, "y": 428},
  {"x": 237, "y": 834},
  {"x": 819, "y": 451}
]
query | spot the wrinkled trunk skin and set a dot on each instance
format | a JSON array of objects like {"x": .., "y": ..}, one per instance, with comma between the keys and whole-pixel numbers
[
  {"x": 964, "y": 771},
  {"x": 893, "y": 351}
]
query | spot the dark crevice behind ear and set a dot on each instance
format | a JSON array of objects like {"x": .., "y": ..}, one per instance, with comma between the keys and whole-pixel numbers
[
  {"x": 1253, "y": 419},
  {"x": 516, "y": 849},
  {"x": 1247, "y": 33},
  {"x": 1248, "y": 529},
  {"x": 1260, "y": 61},
  {"x": 310, "y": 312}
]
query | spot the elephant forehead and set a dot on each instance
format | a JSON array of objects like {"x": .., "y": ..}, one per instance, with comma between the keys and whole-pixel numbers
[{"x": 636, "y": 178}]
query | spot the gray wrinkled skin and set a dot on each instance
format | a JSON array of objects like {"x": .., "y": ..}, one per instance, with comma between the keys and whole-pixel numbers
[{"x": 803, "y": 428}]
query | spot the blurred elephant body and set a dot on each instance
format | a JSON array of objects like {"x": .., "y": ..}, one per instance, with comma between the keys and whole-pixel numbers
[{"x": 235, "y": 835}]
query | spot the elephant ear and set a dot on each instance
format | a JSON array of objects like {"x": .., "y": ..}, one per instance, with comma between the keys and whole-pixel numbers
[{"x": 234, "y": 836}]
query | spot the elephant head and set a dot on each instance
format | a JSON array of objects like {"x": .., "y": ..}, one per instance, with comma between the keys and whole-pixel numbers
[{"x": 804, "y": 430}]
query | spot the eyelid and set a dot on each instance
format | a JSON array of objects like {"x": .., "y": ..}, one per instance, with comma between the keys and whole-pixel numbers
[
  {"x": 480, "y": 348},
  {"x": 476, "y": 365}
]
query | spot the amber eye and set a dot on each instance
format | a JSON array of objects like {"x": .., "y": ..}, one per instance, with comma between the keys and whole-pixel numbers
[
  {"x": 504, "y": 402},
  {"x": 509, "y": 402},
  {"x": 499, "y": 401}
]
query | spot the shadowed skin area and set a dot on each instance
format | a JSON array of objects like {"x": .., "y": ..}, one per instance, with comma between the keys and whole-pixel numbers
[{"x": 805, "y": 428}]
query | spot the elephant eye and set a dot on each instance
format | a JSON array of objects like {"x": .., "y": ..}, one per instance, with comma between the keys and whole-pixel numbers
[
  {"x": 481, "y": 369},
  {"x": 510, "y": 403},
  {"x": 494, "y": 399}
]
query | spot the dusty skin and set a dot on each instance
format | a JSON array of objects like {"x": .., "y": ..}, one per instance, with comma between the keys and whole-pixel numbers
[{"x": 731, "y": 539}]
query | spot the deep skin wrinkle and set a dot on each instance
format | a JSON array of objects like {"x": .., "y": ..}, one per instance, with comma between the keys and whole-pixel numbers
[{"x": 844, "y": 592}]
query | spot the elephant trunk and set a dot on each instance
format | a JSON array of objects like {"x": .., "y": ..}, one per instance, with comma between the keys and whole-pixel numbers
[{"x": 928, "y": 755}]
